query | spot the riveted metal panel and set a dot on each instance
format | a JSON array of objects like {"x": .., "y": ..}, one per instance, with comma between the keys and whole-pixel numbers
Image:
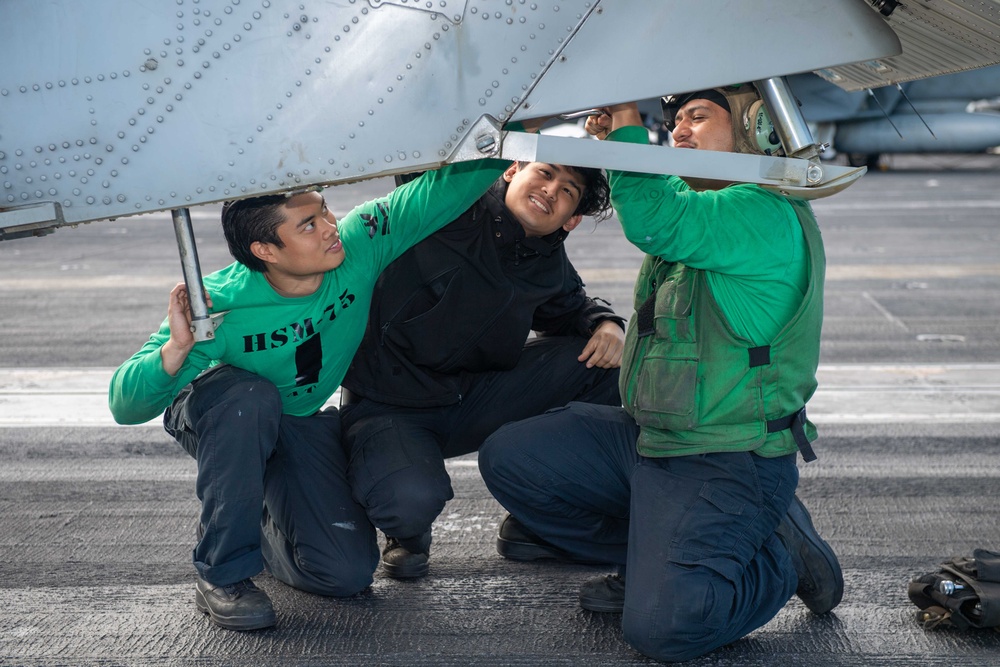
[
  {"x": 126, "y": 107},
  {"x": 937, "y": 36},
  {"x": 119, "y": 107}
]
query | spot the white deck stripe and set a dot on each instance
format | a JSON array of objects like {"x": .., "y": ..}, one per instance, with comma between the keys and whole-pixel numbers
[{"x": 848, "y": 394}]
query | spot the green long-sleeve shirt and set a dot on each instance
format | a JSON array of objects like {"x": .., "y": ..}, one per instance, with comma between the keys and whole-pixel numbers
[
  {"x": 732, "y": 271},
  {"x": 305, "y": 344},
  {"x": 748, "y": 241}
]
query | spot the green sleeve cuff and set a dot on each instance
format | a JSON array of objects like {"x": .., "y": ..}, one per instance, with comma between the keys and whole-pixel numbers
[{"x": 153, "y": 375}]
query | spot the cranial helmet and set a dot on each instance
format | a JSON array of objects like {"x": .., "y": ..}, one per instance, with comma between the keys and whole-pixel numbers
[{"x": 753, "y": 131}]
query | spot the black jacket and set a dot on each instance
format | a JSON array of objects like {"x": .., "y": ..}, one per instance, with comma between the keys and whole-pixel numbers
[{"x": 463, "y": 301}]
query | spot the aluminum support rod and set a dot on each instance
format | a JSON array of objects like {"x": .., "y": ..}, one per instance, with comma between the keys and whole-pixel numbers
[
  {"x": 201, "y": 323},
  {"x": 788, "y": 121}
]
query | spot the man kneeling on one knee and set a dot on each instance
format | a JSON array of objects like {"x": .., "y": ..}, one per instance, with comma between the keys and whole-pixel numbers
[{"x": 690, "y": 487}]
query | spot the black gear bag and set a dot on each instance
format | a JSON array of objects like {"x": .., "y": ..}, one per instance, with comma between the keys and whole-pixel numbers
[{"x": 964, "y": 593}]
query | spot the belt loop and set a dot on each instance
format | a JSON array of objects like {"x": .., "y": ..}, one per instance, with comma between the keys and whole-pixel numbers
[
  {"x": 796, "y": 422},
  {"x": 799, "y": 433}
]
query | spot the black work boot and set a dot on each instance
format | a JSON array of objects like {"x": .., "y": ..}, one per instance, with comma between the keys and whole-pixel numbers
[
  {"x": 516, "y": 542},
  {"x": 821, "y": 582},
  {"x": 401, "y": 563},
  {"x": 239, "y": 606},
  {"x": 604, "y": 594}
]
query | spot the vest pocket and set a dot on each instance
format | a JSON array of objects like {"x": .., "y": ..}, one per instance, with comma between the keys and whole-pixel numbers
[
  {"x": 672, "y": 312},
  {"x": 666, "y": 387}
]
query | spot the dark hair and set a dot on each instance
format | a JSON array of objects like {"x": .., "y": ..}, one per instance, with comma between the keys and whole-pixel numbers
[
  {"x": 596, "y": 198},
  {"x": 245, "y": 221}
]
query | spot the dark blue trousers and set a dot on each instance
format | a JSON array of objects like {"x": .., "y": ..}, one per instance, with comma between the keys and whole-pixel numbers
[
  {"x": 396, "y": 454},
  {"x": 273, "y": 488},
  {"x": 695, "y": 534}
]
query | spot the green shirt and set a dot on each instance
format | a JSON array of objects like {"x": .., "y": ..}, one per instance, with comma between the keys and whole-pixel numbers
[
  {"x": 731, "y": 270},
  {"x": 747, "y": 239},
  {"x": 305, "y": 344}
]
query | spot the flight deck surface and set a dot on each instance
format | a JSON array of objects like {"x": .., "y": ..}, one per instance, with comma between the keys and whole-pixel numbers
[{"x": 97, "y": 521}]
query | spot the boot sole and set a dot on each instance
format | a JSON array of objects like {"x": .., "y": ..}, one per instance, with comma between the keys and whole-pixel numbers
[
  {"x": 800, "y": 518},
  {"x": 601, "y": 606},
  {"x": 409, "y": 572},
  {"x": 527, "y": 551},
  {"x": 241, "y": 623}
]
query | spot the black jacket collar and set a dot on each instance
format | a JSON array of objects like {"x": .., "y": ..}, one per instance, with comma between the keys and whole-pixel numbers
[{"x": 507, "y": 229}]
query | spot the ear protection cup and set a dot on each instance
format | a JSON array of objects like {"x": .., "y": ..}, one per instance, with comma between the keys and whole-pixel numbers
[{"x": 759, "y": 128}]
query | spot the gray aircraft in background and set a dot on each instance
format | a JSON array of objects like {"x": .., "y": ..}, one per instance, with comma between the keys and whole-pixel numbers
[{"x": 952, "y": 113}]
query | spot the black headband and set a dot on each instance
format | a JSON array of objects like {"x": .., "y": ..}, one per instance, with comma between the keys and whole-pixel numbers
[
  {"x": 711, "y": 95},
  {"x": 673, "y": 103}
]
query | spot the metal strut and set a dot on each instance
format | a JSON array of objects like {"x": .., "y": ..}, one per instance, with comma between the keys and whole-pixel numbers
[
  {"x": 202, "y": 325},
  {"x": 788, "y": 121}
]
